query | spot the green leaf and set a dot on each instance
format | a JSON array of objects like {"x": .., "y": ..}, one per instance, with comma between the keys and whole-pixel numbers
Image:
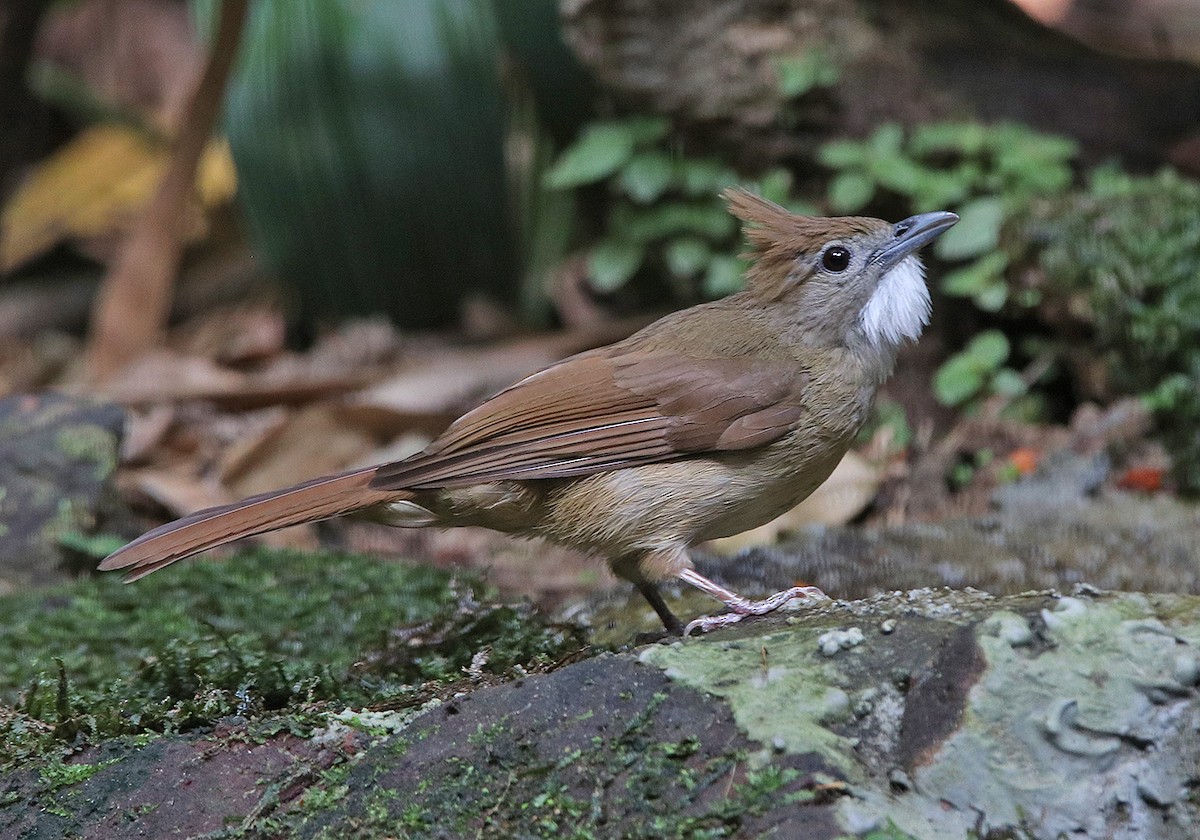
[
  {"x": 936, "y": 189},
  {"x": 601, "y": 150},
  {"x": 687, "y": 255},
  {"x": 888, "y": 414},
  {"x": 992, "y": 298},
  {"x": 898, "y": 174},
  {"x": 660, "y": 221},
  {"x": 990, "y": 349},
  {"x": 776, "y": 185},
  {"x": 1008, "y": 382},
  {"x": 976, "y": 276},
  {"x": 797, "y": 75},
  {"x": 957, "y": 380},
  {"x": 803, "y": 208},
  {"x": 646, "y": 176},
  {"x": 843, "y": 154},
  {"x": 724, "y": 275},
  {"x": 937, "y": 138},
  {"x": 850, "y": 191},
  {"x": 1169, "y": 393},
  {"x": 611, "y": 263},
  {"x": 1029, "y": 144},
  {"x": 886, "y": 142},
  {"x": 704, "y": 177},
  {"x": 646, "y": 130},
  {"x": 977, "y": 231}
]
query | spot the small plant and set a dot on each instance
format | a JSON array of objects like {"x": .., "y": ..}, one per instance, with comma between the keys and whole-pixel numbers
[
  {"x": 665, "y": 207},
  {"x": 1121, "y": 259}
]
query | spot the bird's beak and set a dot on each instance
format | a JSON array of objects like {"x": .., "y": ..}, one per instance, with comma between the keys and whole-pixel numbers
[{"x": 911, "y": 234}]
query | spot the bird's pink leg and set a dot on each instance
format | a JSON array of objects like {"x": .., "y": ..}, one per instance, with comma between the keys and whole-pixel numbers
[{"x": 740, "y": 607}]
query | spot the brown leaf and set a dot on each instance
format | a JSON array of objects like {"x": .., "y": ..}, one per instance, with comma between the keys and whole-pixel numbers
[
  {"x": 163, "y": 376},
  {"x": 144, "y": 431},
  {"x": 235, "y": 336},
  {"x": 175, "y": 492},
  {"x": 311, "y": 442},
  {"x": 438, "y": 389},
  {"x": 134, "y": 55}
]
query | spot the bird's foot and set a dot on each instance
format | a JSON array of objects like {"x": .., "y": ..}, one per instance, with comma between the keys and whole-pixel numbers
[{"x": 740, "y": 607}]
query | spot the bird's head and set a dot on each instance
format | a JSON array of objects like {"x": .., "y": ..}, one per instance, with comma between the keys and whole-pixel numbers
[{"x": 850, "y": 280}]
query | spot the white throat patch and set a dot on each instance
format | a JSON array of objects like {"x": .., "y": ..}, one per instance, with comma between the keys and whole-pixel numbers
[{"x": 899, "y": 307}]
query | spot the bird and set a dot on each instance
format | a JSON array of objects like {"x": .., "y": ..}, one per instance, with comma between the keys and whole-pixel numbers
[{"x": 710, "y": 421}]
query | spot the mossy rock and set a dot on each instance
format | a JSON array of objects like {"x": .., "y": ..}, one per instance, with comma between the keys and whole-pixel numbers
[
  {"x": 57, "y": 456},
  {"x": 921, "y": 714}
]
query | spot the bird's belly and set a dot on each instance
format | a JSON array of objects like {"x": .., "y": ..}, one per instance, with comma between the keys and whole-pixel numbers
[
  {"x": 769, "y": 500},
  {"x": 640, "y": 509}
]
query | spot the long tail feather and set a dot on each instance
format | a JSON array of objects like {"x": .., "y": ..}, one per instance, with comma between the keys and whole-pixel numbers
[{"x": 321, "y": 498}]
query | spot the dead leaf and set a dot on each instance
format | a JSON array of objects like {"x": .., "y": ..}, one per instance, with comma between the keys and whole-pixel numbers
[
  {"x": 95, "y": 185},
  {"x": 311, "y": 442},
  {"x": 235, "y": 336},
  {"x": 177, "y": 493},
  {"x": 135, "y": 55},
  {"x": 170, "y": 377},
  {"x": 162, "y": 377},
  {"x": 144, "y": 431},
  {"x": 1025, "y": 459},
  {"x": 1147, "y": 479},
  {"x": 844, "y": 495},
  {"x": 440, "y": 388}
]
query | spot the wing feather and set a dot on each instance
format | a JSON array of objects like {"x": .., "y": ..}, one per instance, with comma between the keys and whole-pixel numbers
[{"x": 608, "y": 409}]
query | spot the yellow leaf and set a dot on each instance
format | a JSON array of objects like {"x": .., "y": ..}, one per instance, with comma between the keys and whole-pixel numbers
[
  {"x": 216, "y": 178},
  {"x": 94, "y": 186}
]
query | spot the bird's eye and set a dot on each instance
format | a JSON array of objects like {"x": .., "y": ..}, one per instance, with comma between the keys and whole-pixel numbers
[{"x": 835, "y": 258}]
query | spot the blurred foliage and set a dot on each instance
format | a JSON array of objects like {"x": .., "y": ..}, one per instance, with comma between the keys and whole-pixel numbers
[
  {"x": 805, "y": 72},
  {"x": 265, "y": 632},
  {"x": 1123, "y": 255},
  {"x": 978, "y": 369},
  {"x": 663, "y": 210},
  {"x": 371, "y": 141}
]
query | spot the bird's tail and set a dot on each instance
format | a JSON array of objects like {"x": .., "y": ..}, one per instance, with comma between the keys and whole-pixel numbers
[{"x": 321, "y": 498}]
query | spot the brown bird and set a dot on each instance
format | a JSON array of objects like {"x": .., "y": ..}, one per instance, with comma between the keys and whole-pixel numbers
[{"x": 708, "y": 422}]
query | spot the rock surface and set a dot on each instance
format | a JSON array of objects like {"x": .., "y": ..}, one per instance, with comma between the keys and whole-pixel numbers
[
  {"x": 924, "y": 714},
  {"x": 57, "y": 454}
]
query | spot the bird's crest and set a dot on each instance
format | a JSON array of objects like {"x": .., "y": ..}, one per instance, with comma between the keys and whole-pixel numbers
[{"x": 777, "y": 237}]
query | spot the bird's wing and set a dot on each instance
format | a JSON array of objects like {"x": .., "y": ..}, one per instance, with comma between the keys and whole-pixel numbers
[{"x": 604, "y": 410}]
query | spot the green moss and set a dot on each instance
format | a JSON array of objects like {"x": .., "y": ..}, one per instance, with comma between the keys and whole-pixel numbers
[
  {"x": 273, "y": 635},
  {"x": 86, "y": 443},
  {"x": 608, "y": 777},
  {"x": 1123, "y": 256},
  {"x": 56, "y": 774},
  {"x": 790, "y": 701}
]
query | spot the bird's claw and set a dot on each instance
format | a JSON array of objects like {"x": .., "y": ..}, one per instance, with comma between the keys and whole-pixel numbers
[{"x": 743, "y": 607}]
